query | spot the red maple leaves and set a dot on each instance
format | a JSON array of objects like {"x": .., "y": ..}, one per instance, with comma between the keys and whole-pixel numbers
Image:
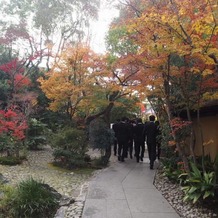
[
  {"x": 15, "y": 70},
  {"x": 12, "y": 124}
]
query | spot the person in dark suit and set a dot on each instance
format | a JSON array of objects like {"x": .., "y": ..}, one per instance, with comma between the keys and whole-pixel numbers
[
  {"x": 130, "y": 142},
  {"x": 122, "y": 139},
  {"x": 150, "y": 133},
  {"x": 139, "y": 140},
  {"x": 114, "y": 127}
]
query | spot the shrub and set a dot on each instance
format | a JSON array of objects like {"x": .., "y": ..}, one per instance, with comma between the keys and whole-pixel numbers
[
  {"x": 170, "y": 165},
  {"x": 10, "y": 160},
  {"x": 31, "y": 199},
  {"x": 36, "y": 134},
  {"x": 173, "y": 174},
  {"x": 69, "y": 159},
  {"x": 70, "y": 147},
  {"x": 12, "y": 133},
  {"x": 100, "y": 135},
  {"x": 199, "y": 185},
  {"x": 6, "y": 195},
  {"x": 71, "y": 139}
]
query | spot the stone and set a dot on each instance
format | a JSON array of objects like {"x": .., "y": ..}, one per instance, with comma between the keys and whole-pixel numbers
[
  {"x": 66, "y": 201},
  {"x": 60, "y": 212}
]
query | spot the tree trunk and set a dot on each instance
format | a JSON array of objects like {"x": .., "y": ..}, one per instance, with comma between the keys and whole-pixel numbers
[
  {"x": 166, "y": 77},
  {"x": 193, "y": 139}
]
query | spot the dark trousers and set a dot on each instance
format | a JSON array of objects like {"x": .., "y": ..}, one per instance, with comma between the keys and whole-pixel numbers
[
  {"x": 139, "y": 149},
  {"x": 115, "y": 146},
  {"x": 129, "y": 148},
  {"x": 151, "y": 152},
  {"x": 122, "y": 149}
]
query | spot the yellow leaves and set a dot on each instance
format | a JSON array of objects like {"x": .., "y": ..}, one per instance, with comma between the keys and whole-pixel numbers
[
  {"x": 213, "y": 51},
  {"x": 164, "y": 18},
  {"x": 208, "y": 60},
  {"x": 210, "y": 96},
  {"x": 197, "y": 50},
  {"x": 204, "y": 26},
  {"x": 207, "y": 72},
  {"x": 195, "y": 70}
]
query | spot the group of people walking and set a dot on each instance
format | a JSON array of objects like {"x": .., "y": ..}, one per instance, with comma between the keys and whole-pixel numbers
[{"x": 130, "y": 136}]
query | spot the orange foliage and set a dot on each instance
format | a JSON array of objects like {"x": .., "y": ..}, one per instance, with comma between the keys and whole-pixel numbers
[
  {"x": 73, "y": 80},
  {"x": 163, "y": 29}
]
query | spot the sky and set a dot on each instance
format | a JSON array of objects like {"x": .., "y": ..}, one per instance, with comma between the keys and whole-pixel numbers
[{"x": 99, "y": 28}]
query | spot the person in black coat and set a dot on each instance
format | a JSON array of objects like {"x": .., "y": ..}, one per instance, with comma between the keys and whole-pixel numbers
[
  {"x": 122, "y": 135},
  {"x": 130, "y": 141},
  {"x": 150, "y": 133},
  {"x": 139, "y": 140},
  {"x": 114, "y": 127}
]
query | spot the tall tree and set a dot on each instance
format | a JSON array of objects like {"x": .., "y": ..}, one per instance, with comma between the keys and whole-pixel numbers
[
  {"x": 177, "y": 53},
  {"x": 41, "y": 29}
]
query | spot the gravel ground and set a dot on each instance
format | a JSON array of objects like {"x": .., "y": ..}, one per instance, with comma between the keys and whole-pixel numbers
[
  {"x": 71, "y": 186},
  {"x": 174, "y": 195}
]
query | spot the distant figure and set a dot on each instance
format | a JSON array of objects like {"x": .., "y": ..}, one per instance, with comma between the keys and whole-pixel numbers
[
  {"x": 139, "y": 140},
  {"x": 158, "y": 139},
  {"x": 130, "y": 141},
  {"x": 150, "y": 133},
  {"x": 114, "y": 127},
  {"x": 123, "y": 134}
]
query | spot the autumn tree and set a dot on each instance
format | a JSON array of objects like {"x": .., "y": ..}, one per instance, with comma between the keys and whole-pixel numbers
[
  {"x": 176, "y": 56},
  {"x": 33, "y": 34},
  {"x": 71, "y": 79},
  {"x": 18, "y": 90},
  {"x": 12, "y": 131},
  {"x": 82, "y": 85}
]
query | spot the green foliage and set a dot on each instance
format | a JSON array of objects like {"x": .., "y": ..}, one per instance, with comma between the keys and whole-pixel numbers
[
  {"x": 170, "y": 158},
  {"x": 10, "y": 147},
  {"x": 36, "y": 134},
  {"x": 172, "y": 173},
  {"x": 199, "y": 185},
  {"x": 171, "y": 168},
  {"x": 205, "y": 163},
  {"x": 70, "y": 147},
  {"x": 55, "y": 120},
  {"x": 71, "y": 139},
  {"x": 100, "y": 135},
  {"x": 69, "y": 159},
  {"x": 31, "y": 199},
  {"x": 11, "y": 160},
  {"x": 165, "y": 138},
  {"x": 125, "y": 107},
  {"x": 4, "y": 88},
  {"x": 6, "y": 196},
  {"x": 118, "y": 43}
]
